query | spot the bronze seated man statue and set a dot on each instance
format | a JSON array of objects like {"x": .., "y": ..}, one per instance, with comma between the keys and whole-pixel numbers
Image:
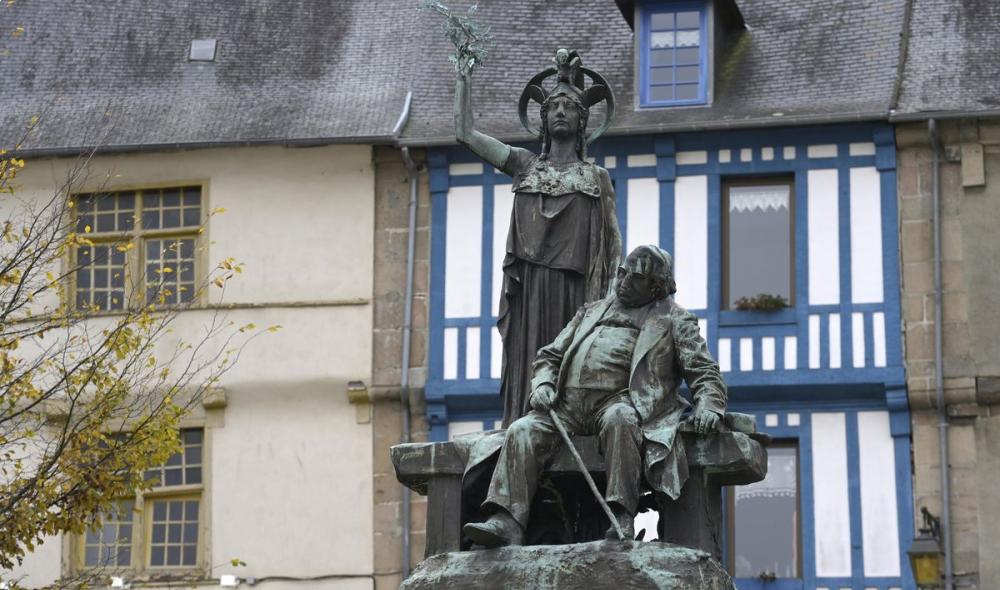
[{"x": 614, "y": 371}]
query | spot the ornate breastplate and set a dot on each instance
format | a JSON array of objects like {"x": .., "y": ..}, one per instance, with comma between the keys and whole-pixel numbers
[{"x": 545, "y": 179}]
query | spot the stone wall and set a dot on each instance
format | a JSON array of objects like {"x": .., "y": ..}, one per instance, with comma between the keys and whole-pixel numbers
[
  {"x": 970, "y": 251},
  {"x": 392, "y": 194}
]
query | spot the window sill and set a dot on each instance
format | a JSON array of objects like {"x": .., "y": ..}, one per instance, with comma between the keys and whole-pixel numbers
[{"x": 739, "y": 317}]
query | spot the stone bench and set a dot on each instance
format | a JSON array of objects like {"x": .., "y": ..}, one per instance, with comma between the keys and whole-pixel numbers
[{"x": 734, "y": 455}]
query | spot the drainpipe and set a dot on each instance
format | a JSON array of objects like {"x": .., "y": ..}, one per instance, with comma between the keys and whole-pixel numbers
[
  {"x": 935, "y": 139},
  {"x": 404, "y": 383}
]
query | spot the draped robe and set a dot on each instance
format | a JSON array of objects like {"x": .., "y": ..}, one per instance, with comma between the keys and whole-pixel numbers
[{"x": 562, "y": 250}]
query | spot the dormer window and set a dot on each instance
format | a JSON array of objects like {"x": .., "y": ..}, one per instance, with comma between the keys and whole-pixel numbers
[{"x": 673, "y": 42}]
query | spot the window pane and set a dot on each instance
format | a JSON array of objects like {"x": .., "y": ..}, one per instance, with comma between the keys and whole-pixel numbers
[
  {"x": 173, "y": 477},
  {"x": 105, "y": 203},
  {"x": 171, "y": 198},
  {"x": 83, "y": 222},
  {"x": 110, "y": 543},
  {"x": 192, "y": 436},
  {"x": 688, "y": 20},
  {"x": 192, "y": 216},
  {"x": 766, "y": 519},
  {"x": 688, "y": 55},
  {"x": 189, "y": 555},
  {"x": 106, "y": 222},
  {"x": 182, "y": 468},
  {"x": 661, "y": 57},
  {"x": 114, "y": 212},
  {"x": 126, "y": 201},
  {"x": 661, "y": 39},
  {"x": 687, "y": 91},
  {"x": 661, "y": 20},
  {"x": 100, "y": 276},
  {"x": 150, "y": 219},
  {"x": 661, "y": 75},
  {"x": 174, "y": 540},
  {"x": 688, "y": 38},
  {"x": 192, "y": 196},
  {"x": 190, "y": 533},
  {"x": 658, "y": 93},
  {"x": 91, "y": 556},
  {"x": 170, "y": 268},
  {"x": 760, "y": 246},
  {"x": 687, "y": 74},
  {"x": 171, "y": 218},
  {"x": 171, "y": 207}
]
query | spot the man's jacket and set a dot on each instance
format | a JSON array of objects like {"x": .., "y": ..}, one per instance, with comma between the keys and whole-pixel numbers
[{"x": 669, "y": 348}]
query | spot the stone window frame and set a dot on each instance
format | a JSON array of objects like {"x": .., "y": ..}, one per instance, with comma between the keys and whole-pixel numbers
[
  {"x": 142, "y": 526},
  {"x": 135, "y": 238}
]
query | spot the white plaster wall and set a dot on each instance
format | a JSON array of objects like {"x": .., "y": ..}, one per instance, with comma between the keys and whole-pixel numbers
[
  {"x": 463, "y": 252},
  {"x": 289, "y": 487},
  {"x": 830, "y": 487},
  {"x": 42, "y": 566},
  {"x": 300, "y": 218},
  {"x": 643, "y": 223},
  {"x": 691, "y": 241},
  {"x": 291, "y": 482},
  {"x": 824, "y": 238}
]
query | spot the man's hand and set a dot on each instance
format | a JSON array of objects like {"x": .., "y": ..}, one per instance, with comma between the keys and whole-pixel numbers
[
  {"x": 704, "y": 421},
  {"x": 542, "y": 398}
]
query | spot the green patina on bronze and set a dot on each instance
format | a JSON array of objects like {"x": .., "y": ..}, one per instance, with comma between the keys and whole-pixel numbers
[
  {"x": 564, "y": 244},
  {"x": 595, "y": 348}
]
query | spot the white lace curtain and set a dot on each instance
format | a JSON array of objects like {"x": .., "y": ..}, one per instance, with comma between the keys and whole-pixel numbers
[{"x": 758, "y": 198}]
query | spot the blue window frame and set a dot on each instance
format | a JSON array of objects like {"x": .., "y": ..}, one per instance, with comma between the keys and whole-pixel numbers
[{"x": 673, "y": 54}]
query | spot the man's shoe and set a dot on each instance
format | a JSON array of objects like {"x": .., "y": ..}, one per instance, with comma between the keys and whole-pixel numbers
[
  {"x": 499, "y": 530},
  {"x": 627, "y": 524}
]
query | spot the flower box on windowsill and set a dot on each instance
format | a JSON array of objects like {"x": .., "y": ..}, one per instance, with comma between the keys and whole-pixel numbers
[{"x": 739, "y": 317}]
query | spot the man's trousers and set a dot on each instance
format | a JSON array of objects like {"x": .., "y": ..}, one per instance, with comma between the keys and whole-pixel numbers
[{"x": 533, "y": 439}]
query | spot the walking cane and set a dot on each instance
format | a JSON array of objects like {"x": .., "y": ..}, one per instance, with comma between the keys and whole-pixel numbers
[{"x": 586, "y": 474}]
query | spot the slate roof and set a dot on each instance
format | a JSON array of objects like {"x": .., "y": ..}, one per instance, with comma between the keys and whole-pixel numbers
[
  {"x": 953, "y": 61},
  {"x": 115, "y": 72},
  {"x": 286, "y": 71},
  {"x": 816, "y": 61}
]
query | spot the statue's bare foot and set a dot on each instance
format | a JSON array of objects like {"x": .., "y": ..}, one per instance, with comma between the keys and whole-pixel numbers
[
  {"x": 626, "y": 522},
  {"x": 499, "y": 530}
]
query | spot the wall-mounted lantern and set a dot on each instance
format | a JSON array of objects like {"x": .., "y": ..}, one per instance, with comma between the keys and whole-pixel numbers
[{"x": 925, "y": 552}]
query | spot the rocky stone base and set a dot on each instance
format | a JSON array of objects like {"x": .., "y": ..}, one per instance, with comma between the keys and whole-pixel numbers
[{"x": 599, "y": 565}]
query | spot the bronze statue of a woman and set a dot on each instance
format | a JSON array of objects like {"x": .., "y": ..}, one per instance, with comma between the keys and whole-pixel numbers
[{"x": 564, "y": 245}]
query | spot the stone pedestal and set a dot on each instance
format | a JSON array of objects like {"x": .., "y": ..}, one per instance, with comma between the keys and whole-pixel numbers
[
  {"x": 734, "y": 455},
  {"x": 599, "y": 565}
]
